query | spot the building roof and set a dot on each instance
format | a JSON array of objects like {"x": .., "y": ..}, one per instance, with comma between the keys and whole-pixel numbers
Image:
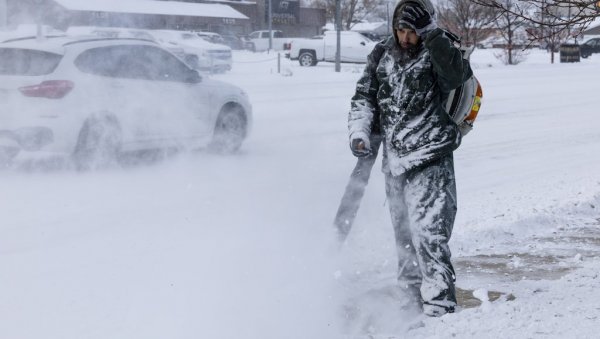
[
  {"x": 593, "y": 28},
  {"x": 153, "y": 7}
]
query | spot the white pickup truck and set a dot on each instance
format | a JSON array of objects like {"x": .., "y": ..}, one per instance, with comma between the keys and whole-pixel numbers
[
  {"x": 259, "y": 41},
  {"x": 354, "y": 48},
  {"x": 213, "y": 58}
]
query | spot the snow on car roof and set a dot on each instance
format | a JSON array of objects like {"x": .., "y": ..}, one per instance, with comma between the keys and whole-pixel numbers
[
  {"x": 48, "y": 44},
  {"x": 154, "y": 7},
  {"x": 182, "y": 36},
  {"x": 110, "y": 32}
]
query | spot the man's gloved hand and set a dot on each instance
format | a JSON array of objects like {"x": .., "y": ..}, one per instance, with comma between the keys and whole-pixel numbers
[
  {"x": 418, "y": 17},
  {"x": 360, "y": 148}
]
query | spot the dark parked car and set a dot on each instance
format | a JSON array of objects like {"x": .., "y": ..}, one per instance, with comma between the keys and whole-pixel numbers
[
  {"x": 590, "y": 47},
  {"x": 247, "y": 43},
  {"x": 233, "y": 41}
]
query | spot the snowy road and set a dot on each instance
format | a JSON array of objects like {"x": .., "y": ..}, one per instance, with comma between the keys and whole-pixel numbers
[{"x": 240, "y": 247}]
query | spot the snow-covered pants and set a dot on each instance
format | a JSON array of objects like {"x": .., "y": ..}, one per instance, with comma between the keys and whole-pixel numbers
[{"x": 423, "y": 206}]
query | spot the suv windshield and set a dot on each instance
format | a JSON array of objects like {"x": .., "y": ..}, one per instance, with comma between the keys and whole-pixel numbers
[
  {"x": 189, "y": 36},
  {"x": 14, "y": 61}
]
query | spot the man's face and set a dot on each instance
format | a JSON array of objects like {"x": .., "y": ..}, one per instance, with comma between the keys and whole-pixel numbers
[{"x": 407, "y": 38}]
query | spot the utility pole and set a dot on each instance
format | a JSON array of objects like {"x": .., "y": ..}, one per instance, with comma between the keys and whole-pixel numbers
[
  {"x": 338, "y": 28},
  {"x": 39, "y": 19},
  {"x": 569, "y": 25},
  {"x": 387, "y": 16},
  {"x": 3, "y": 14},
  {"x": 270, "y": 18}
]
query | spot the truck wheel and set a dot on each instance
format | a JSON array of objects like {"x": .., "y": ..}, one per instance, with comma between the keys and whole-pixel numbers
[{"x": 307, "y": 59}]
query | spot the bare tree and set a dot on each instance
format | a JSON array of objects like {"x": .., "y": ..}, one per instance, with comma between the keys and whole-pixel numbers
[
  {"x": 561, "y": 15},
  {"x": 467, "y": 19},
  {"x": 353, "y": 11},
  {"x": 551, "y": 36},
  {"x": 512, "y": 29},
  {"x": 512, "y": 56}
]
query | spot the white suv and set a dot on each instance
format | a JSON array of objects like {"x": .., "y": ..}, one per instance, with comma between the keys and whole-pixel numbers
[
  {"x": 219, "y": 56},
  {"x": 197, "y": 59},
  {"x": 93, "y": 99}
]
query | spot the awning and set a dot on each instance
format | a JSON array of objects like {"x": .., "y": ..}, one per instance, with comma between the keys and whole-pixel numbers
[{"x": 153, "y": 7}]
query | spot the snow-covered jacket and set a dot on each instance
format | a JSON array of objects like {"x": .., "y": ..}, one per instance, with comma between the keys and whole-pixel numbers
[{"x": 402, "y": 97}]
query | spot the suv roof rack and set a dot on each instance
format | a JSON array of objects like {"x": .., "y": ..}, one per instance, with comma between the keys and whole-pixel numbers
[
  {"x": 76, "y": 39},
  {"x": 92, "y": 39},
  {"x": 29, "y": 37}
]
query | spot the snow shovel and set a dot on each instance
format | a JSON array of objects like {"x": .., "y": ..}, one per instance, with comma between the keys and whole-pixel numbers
[{"x": 355, "y": 191}]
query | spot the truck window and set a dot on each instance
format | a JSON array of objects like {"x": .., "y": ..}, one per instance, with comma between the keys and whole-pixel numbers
[{"x": 277, "y": 34}]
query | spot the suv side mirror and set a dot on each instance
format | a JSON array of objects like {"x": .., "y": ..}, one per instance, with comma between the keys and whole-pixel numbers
[
  {"x": 363, "y": 43},
  {"x": 193, "y": 77}
]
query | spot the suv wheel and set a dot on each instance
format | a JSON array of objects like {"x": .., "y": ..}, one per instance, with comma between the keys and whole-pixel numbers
[
  {"x": 230, "y": 130},
  {"x": 99, "y": 143}
]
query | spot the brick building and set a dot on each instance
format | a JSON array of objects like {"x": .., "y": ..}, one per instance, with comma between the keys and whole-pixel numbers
[
  {"x": 287, "y": 15},
  {"x": 238, "y": 17}
]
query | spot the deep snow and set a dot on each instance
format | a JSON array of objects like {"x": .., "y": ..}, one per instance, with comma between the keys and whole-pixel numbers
[{"x": 206, "y": 246}]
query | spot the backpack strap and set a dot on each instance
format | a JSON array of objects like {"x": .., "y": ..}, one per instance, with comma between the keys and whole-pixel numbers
[{"x": 374, "y": 59}]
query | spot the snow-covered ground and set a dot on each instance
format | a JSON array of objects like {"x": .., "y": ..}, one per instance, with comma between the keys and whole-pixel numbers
[{"x": 207, "y": 246}]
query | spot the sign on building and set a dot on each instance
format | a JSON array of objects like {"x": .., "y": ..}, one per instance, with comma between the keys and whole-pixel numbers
[{"x": 283, "y": 11}]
